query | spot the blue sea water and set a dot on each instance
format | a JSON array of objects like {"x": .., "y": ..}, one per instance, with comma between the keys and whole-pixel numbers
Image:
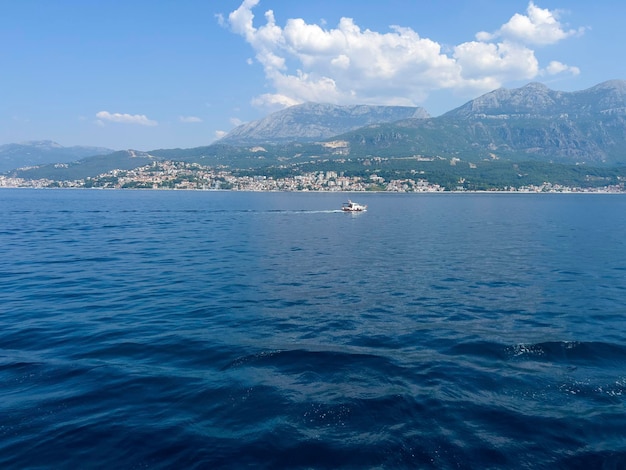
[{"x": 172, "y": 329}]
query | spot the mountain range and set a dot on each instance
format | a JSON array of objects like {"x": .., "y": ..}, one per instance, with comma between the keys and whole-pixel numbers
[
  {"x": 528, "y": 123},
  {"x": 531, "y": 123}
]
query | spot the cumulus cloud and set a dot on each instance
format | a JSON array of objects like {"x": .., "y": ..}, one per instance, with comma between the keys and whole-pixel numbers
[
  {"x": 555, "y": 67},
  {"x": 495, "y": 63},
  {"x": 140, "y": 119},
  {"x": 348, "y": 65},
  {"x": 189, "y": 119},
  {"x": 538, "y": 27},
  {"x": 220, "y": 134}
]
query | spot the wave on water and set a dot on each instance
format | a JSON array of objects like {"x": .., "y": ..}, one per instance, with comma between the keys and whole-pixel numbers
[
  {"x": 224, "y": 330},
  {"x": 588, "y": 352}
]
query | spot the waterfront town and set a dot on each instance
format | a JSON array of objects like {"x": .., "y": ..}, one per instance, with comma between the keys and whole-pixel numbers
[{"x": 192, "y": 176}]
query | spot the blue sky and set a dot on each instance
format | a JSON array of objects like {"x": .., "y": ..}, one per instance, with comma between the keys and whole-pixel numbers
[{"x": 147, "y": 74}]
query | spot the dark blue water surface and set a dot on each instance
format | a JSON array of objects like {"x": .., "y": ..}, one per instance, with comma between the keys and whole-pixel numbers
[{"x": 156, "y": 329}]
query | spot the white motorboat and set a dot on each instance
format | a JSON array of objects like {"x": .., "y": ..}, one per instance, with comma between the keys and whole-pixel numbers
[{"x": 353, "y": 207}]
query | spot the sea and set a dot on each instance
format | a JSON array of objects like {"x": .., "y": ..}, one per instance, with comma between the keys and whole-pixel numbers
[{"x": 216, "y": 329}]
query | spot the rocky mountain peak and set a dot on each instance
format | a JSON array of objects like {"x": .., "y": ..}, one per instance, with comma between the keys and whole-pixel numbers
[
  {"x": 607, "y": 98},
  {"x": 534, "y": 98},
  {"x": 309, "y": 122}
]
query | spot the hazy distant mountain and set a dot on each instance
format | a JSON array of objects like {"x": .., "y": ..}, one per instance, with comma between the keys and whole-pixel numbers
[
  {"x": 314, "y": 121},
  {"x": 41, "y": 152},
  {"x": 86, "y": 167},
  {"x": 537, "y": 100},
  {"x": 531, "y": 122}
]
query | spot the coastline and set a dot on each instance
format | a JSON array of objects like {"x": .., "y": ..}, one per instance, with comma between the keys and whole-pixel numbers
[{"x": 361, "y": 192}]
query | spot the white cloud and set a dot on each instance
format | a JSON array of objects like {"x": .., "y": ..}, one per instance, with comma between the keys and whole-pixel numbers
[
  {"x": 343, "y": 65},
  {"x": 236, "y": 121},
  {"x": 140, "y": 119},
  {"x": 220, "y": 134},
  {"x": 538, "y": 27},
  {"x": 495, "y": 63},
  {"x": 220, "y": 19},
  {"x": 555, "y": 68},
  {"x": 276, "y": 101},
  {"x": 189, "y": 119}
]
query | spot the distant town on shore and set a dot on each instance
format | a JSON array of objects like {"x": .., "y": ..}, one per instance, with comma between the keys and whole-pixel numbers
[{"x": 192, "y": 176}]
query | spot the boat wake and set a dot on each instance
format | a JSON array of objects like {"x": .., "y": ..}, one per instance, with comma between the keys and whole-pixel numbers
[{"x": 328, "y": 211}]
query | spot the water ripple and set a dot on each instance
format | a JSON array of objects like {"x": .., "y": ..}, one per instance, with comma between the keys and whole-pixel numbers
[{"x": 148, "y": 329}]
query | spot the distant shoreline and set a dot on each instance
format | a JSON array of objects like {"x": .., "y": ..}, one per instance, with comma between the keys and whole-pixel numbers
[{"x": 407, "y": 193}]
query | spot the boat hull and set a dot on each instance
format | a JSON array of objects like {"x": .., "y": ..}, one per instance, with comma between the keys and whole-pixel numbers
[{"x": 353, "y": 207}]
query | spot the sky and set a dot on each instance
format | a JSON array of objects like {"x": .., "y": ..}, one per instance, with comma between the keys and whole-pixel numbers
[{"x": 145, "y": 74}]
